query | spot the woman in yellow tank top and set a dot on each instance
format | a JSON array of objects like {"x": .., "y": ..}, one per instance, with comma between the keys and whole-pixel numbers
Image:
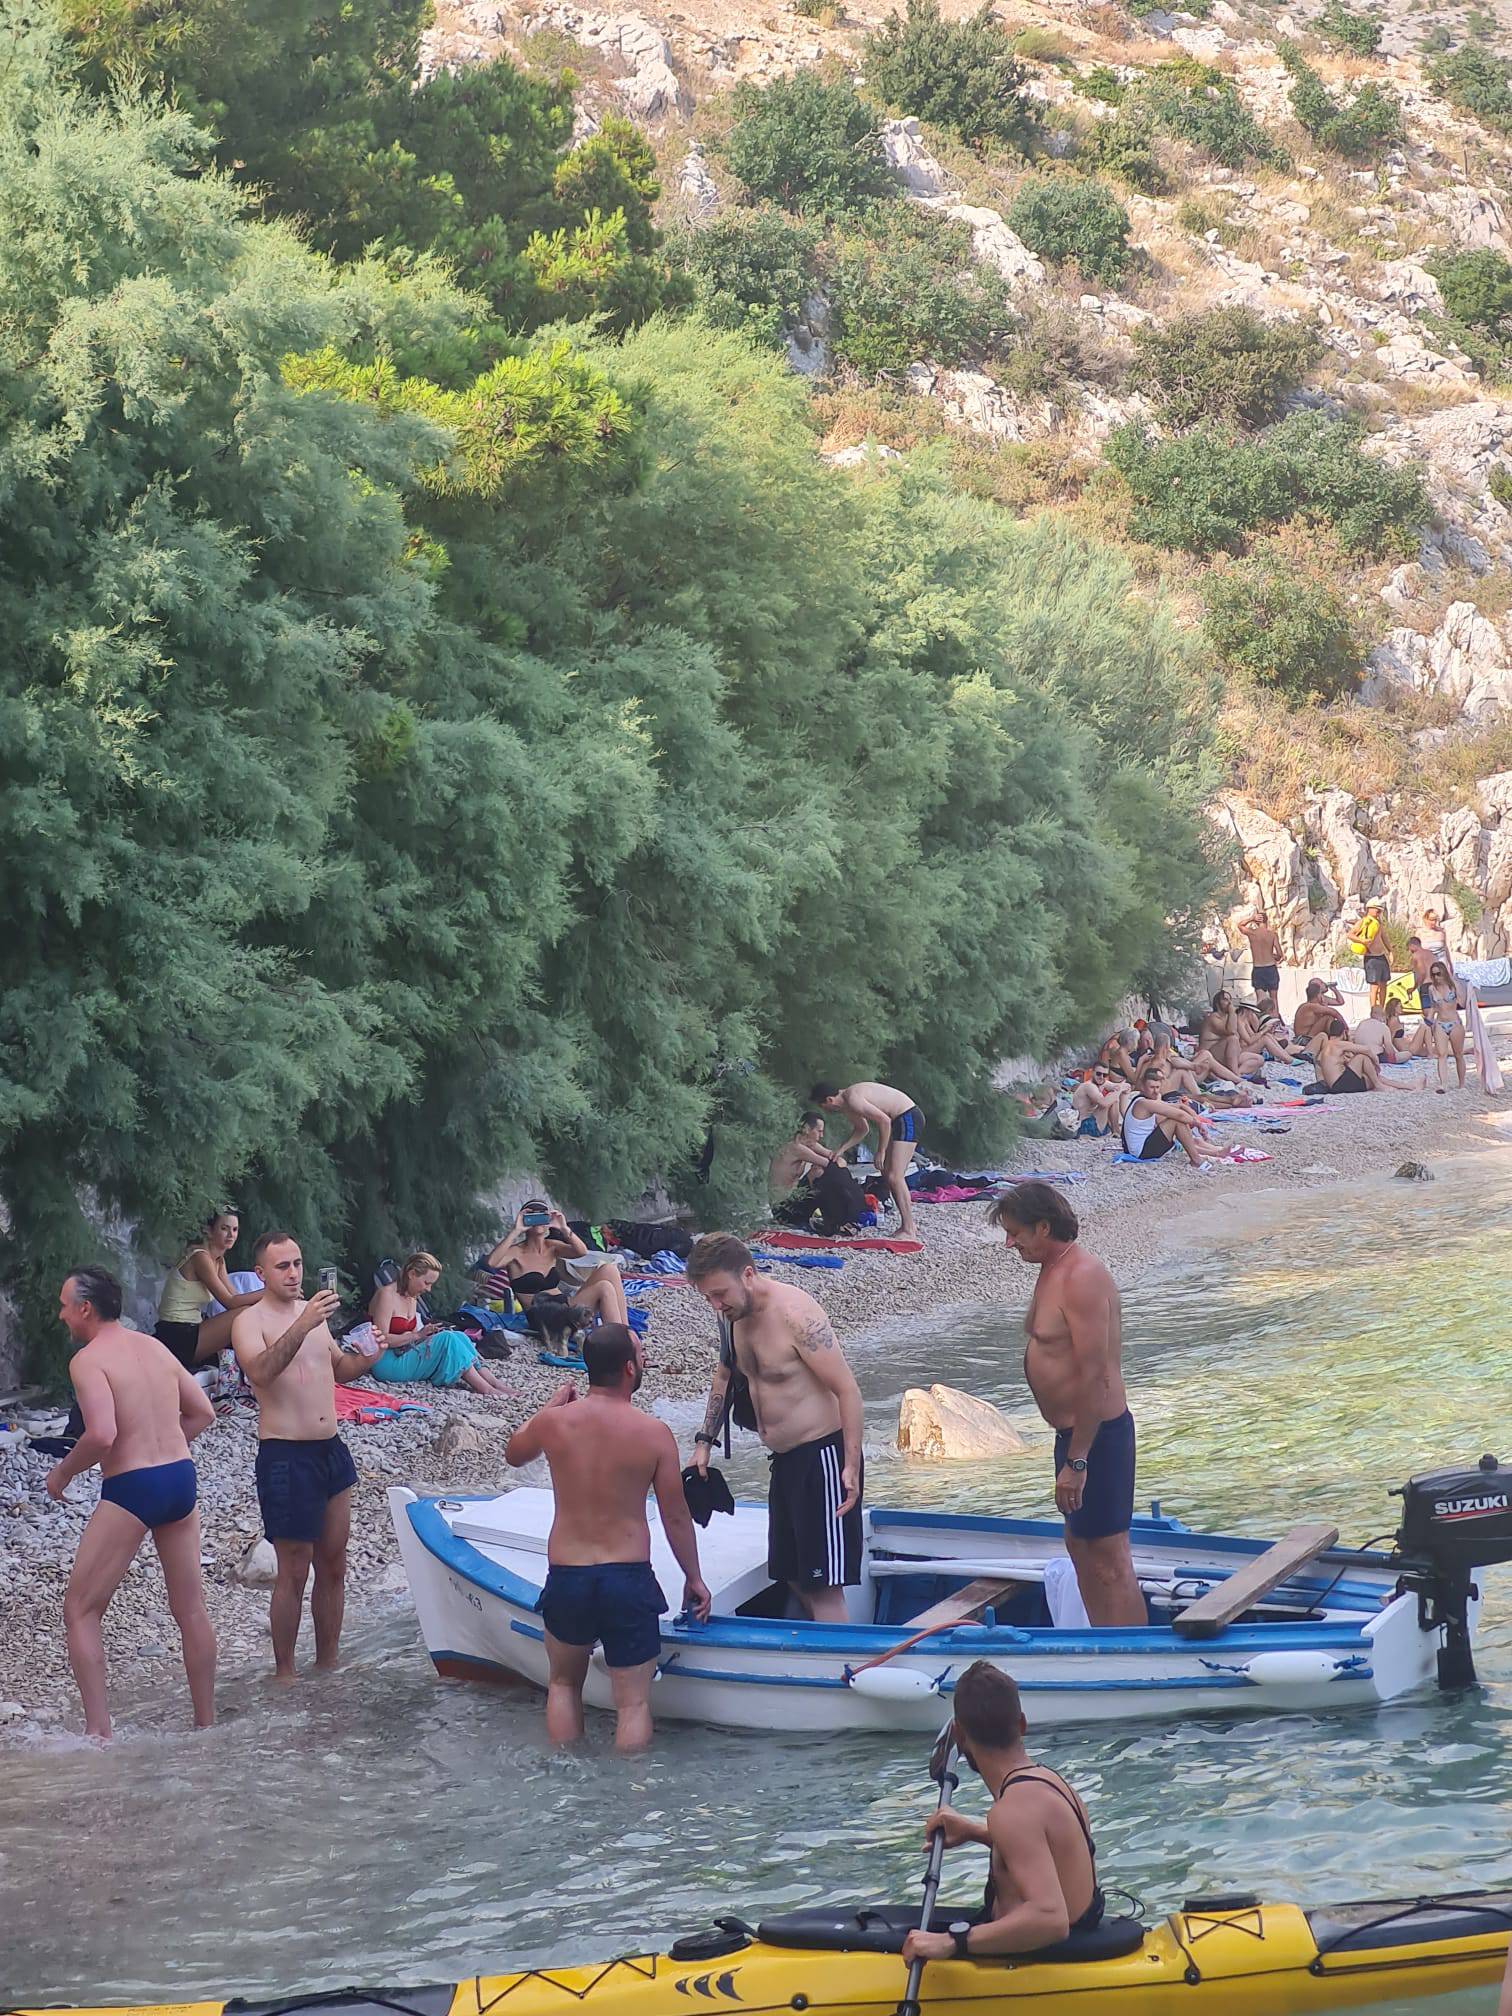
[{"x": 197, "y": 1280}]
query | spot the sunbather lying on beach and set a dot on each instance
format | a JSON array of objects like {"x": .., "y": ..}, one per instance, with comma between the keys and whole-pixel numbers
[
  {"x": 1344, "y": 1066},
  {"x": 1118, "y": 1057},
  {"x": 1222, "y": 1040},
  {"x": 1385, "y": 1036},
  {"x": 1266, "y": 1036}
]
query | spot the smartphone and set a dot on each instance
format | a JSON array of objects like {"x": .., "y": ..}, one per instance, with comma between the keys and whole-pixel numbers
[
  {"x": 535, "y": 1218},
  {"x": 328, "y": 1281}
]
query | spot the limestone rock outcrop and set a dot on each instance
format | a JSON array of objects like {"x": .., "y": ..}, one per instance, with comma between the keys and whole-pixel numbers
[
  {"x": 945, "y": 1425},
  {"x": 1341, "y": 851}
]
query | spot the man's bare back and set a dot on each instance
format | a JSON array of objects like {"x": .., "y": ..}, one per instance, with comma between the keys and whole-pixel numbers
[
  {"x": 1050, "y": 1364},
  {"x": 1264, "y": 944},
  {"x": 604, "y": 1459},
  {"x": 147, "y": 1393},
  {"x": 793, "y": 1161}
]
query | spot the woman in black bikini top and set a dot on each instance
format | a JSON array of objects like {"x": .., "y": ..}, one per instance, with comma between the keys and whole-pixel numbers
[{"x": 529, "y": 1252}]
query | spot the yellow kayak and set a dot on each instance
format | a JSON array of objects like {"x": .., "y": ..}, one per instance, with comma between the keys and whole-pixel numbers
[{"x": 1231, "y": 1955}]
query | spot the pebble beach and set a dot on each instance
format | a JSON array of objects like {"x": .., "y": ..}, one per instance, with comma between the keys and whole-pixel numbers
[{"x": 1132, "y": 1217}]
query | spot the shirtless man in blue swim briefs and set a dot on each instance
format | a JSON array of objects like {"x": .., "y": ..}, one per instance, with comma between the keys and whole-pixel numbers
[
  {"x": 305, "y": 1471},
  {"x": 141, "y": 1411},
  {"x": 1073, "y": 1365},
  {"x": 604, "y": 1456},
  {"x": 900, "y": 1128}
]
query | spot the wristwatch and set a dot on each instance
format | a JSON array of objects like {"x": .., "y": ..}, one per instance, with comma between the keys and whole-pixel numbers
[
  {"x": 1078, "y": 1464},
  {"x": 701, "y": 1436},
  {"x": 959, "y": 1935}
]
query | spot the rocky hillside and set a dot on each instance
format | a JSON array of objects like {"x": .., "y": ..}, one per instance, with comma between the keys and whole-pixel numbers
[{"x": 1367, "y": 733}]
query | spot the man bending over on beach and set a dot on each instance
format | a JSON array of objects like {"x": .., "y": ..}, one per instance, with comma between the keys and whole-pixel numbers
[
  {"x": 899, "y": 1125},
  {"x": 604, "y": 1455},
  {"x": 305, "y": 1471},
  {"x": 141, "y": 1411},
  {"x": 1042, "y": 1881},
  {"x": 1073, "y": 1365},
  {"x": 808, "y": 1413}
]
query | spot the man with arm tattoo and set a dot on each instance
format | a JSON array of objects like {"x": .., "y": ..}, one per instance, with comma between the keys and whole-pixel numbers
[
  {"x": 305, "y": 1471},
  {"x": 808, "y": 1413}
]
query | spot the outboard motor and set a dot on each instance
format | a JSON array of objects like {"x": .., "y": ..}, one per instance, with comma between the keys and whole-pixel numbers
[{"x": 1452, "y": 1522}]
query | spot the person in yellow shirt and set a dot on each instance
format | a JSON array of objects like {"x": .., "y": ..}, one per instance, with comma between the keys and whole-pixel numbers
[{"x": 1365, "y": 938}]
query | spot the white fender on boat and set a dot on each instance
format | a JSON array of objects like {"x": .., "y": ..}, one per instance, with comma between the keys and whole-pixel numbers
[
  {"x": 892, "y": 1683},
  {"x": 1292, "y": 1669}
]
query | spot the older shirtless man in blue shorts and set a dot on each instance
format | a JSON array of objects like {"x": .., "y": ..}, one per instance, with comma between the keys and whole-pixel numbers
[{"x": 1073, "y": 1365}]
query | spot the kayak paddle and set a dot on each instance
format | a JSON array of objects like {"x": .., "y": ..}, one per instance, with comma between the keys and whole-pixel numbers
[{"x": 942, "y": 1770}]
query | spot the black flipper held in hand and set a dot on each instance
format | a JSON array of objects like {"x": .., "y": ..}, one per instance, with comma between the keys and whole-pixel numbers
[{"x": 706, "y": 1495}]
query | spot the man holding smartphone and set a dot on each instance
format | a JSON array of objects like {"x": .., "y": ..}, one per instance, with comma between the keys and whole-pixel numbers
[{"x": 305, "y": 1471}]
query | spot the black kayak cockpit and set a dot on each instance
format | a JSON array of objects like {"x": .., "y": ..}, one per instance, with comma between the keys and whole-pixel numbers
[{"x": 882, "y": 1928}]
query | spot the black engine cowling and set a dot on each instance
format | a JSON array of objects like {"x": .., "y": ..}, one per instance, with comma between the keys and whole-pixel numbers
[
  {"x": 1453, "y": 1521},
  {"x": 1459, "y": 1518}
]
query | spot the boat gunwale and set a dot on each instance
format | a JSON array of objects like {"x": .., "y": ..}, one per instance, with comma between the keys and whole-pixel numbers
[{"x": 861, "y": 1641}]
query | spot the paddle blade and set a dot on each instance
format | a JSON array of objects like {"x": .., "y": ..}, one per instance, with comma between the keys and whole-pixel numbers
[{"x": 943, "y": 1753}]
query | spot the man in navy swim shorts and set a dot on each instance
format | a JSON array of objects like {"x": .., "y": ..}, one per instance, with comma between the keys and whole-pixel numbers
[
  {"x": 1073, "y": 1365},
  {"x": 305, "y": 1471},
  {"x": 604, "y": 1455}
]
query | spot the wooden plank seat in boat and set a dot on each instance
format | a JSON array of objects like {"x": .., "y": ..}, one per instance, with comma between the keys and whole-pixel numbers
[
  {"x": 1238, "y": 1592},
  {"x": 963, "y": 1605}
]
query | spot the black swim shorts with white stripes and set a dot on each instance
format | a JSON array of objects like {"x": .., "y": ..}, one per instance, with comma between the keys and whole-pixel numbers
[{"x": 810, "y": 1543}]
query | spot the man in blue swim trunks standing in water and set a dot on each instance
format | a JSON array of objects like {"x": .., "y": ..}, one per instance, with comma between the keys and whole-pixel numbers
[
  {"x": 1073, "y": 1364},
  {"x": 305, "y": 1471},
  {"x": 141, "y": 1411},
  {"x": 604, "y": 1455}
]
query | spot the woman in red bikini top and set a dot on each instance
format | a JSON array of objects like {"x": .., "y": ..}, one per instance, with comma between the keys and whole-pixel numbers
[{"x": 395, "y": 1309}]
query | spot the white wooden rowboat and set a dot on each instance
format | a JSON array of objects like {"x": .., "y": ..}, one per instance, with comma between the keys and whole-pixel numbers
[{"x": 1337, "y": 1633}]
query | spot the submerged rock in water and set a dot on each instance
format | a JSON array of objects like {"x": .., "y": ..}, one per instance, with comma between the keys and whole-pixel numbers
[
  {"x": 946, "y": 1426},
  {"x": 1415, "y": 1172}
]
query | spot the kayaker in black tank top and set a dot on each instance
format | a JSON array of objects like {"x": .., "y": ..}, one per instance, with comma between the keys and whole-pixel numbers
[{"x": 1039, "y": 1891}]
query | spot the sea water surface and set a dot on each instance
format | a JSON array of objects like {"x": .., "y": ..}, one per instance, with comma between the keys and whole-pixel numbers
[{"x": 384, "y": 1827}]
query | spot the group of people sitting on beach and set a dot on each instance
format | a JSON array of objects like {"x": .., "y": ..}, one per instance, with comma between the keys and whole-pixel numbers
[{"x": 1151, "y": 1086}]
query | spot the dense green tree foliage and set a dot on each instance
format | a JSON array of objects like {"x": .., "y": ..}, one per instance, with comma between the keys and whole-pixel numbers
[
  {"x": 314, "y": 104},
  {"x": 910, "y": 288},
  {"x": 750, "y": 270},
  {"x": 807, "y": 145},
  {"x": 962, "y": 75},
  {"x": 1348, "y": 29},
  {"x": 1477, "y": 82},
  {"x": 1282, "y": 628},
  {"x": 1205, "y": 490},
  {"x": 1355, "y": 125},
  {"x": 429, "y": 752},
  {"x": 1194, "y": 102}
]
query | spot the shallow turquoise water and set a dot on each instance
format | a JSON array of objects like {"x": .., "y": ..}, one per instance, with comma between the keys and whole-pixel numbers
[{"x": 387, "y": 1827}]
